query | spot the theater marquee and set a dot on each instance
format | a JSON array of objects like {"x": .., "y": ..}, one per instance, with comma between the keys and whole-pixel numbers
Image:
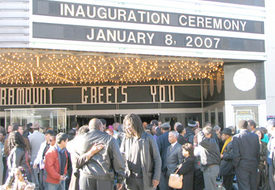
[
  {"x": 20, "y": 96},
  {"x": 89, "y": 26}
]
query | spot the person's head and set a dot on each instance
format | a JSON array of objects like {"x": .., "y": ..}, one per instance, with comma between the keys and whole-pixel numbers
[
  {"x": 251, "y": 125},
  {"x": 198, "y": 124},
  {"x": 83, "y": 129},
  {"x": 243, "y": 124},
  {"x": 71, "y": 134},
  {"x": 271, "y": 126},
  {"x": 153, "y": 129},
  {"x": 192, "y": 124},
  {"x": 207, "y": 131},
  {"x": 181, "y": 130},
  {"x": 52, "y": 138},
  {"x": 115, "y": 126},
  {"x": 20, "y": 129},
  {"x": 217, "y": 129},
  {"x": 165, "y": 127},
  {"x": 226, "y": 133},
  {"x": 233, "y": 129},
  {"x": 28, "y": 126},
  {"x": 15, "y": 126},
  {"x": 187, "y": 150},
  {"x": 96, "y": 124},
  {"x": 144, "y": 125},
  {"x": 104, "y": 124},
  {"x": 35, "y": 126},
  {"x": 133, "y": 125},
  {"x": 48, "y": 134},
  {"x": 74, "y": 125},
  {"x": 208, "y": 124},
  {"x": 173, "y": 137},
  {"x": 16, "y": 140},
  {"x": 10, "y": 128},
  {"x": 109, "y": 131},
  {"x": 154, "y": 122},
  {"x": 61, "y": 140},
  {"x": 260, "y": 134},
  {"x": 159, "y": 123},
  {"x": 176, "y": 125},
  {"x": 149, "y": 127}
]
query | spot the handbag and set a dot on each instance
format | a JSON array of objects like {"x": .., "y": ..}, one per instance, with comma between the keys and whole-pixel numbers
[{"x": 176, "y": 180}]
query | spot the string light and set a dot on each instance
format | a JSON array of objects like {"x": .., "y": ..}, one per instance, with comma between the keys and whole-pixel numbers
[{"x": 67, "y": 67}]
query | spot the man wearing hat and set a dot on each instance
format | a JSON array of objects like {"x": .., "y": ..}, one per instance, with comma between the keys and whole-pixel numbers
[
  {"x": 226, "y": 166},
  {"x": 189, "y": 135},
  {"x": 163, "y": 144},
  {"x": 36, "y": 139}
]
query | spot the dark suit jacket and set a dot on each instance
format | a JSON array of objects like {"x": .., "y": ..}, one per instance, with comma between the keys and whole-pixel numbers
[
  {"x": 158, "y": 130},
  {"x": 246, "y": 150},
  {"x": 163, "y": 144},
  {"x": 187, "y": 170},
  {"x": 182, "y": 140},
  {"x": 226, "y": 166},
  {"x": 174, "y": 158}
]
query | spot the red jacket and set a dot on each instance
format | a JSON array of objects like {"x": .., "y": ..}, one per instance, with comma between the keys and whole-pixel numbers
[{"x": 52, "y": 166}]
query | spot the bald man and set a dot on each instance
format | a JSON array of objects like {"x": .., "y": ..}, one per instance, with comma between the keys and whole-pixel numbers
[{"x": 99, "y": 170}]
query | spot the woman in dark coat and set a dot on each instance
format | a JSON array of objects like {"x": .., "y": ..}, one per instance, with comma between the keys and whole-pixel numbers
[
  {"x": 187, "y": 168},
  {"x": 18, "y": 155},
  {"x": 262, "y": 179}
]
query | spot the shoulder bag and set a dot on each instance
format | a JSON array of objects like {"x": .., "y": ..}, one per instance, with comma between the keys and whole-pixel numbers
[{"x": 176, "y": 180}]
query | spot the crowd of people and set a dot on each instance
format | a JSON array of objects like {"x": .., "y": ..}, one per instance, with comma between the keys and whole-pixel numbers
[{"x": 140, "y": 156}]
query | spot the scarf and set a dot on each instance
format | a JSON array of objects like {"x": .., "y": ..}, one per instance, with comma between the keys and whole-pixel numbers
[{"x": 226, "y": 143}]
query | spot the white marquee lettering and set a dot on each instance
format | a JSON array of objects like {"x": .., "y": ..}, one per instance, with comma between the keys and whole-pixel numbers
[
  {"x": 123, "y": 88},
  {"x": 84, "y": 99}
]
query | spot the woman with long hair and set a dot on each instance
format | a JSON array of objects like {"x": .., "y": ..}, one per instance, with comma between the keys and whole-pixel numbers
[
  {"x": 18, "y": 155},
  {"x": 143, "y": 162}
]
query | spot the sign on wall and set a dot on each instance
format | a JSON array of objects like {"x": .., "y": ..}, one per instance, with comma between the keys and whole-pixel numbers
[
  {"x": 16, "y": 96},
  {"x": 57, "y": 24}
]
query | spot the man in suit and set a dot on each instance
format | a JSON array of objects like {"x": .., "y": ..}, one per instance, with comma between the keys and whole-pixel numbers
[
  {"x": 174, "y": 154},
  {"x": 246, "y": 151},
  {"x": 101, "y": 169},
  {"x": 35, "y": 139},
  {"x": 163, "y": 144}
]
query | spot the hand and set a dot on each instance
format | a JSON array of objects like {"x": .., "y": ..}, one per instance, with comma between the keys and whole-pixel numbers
[
  {"x": 62, "y": 178},
  {"x": 35, "y": 166},
  {"x": 119, "y": 186},
  {"x": 155, "y": 183},
  {"x": 96, "y": 148},
  {"x": 221, "y": 156}
]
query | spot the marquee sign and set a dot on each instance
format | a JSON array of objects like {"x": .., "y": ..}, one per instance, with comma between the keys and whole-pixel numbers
[
  {"x": 20, "y": 96},
  {"x": 127, "y": 29}
]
